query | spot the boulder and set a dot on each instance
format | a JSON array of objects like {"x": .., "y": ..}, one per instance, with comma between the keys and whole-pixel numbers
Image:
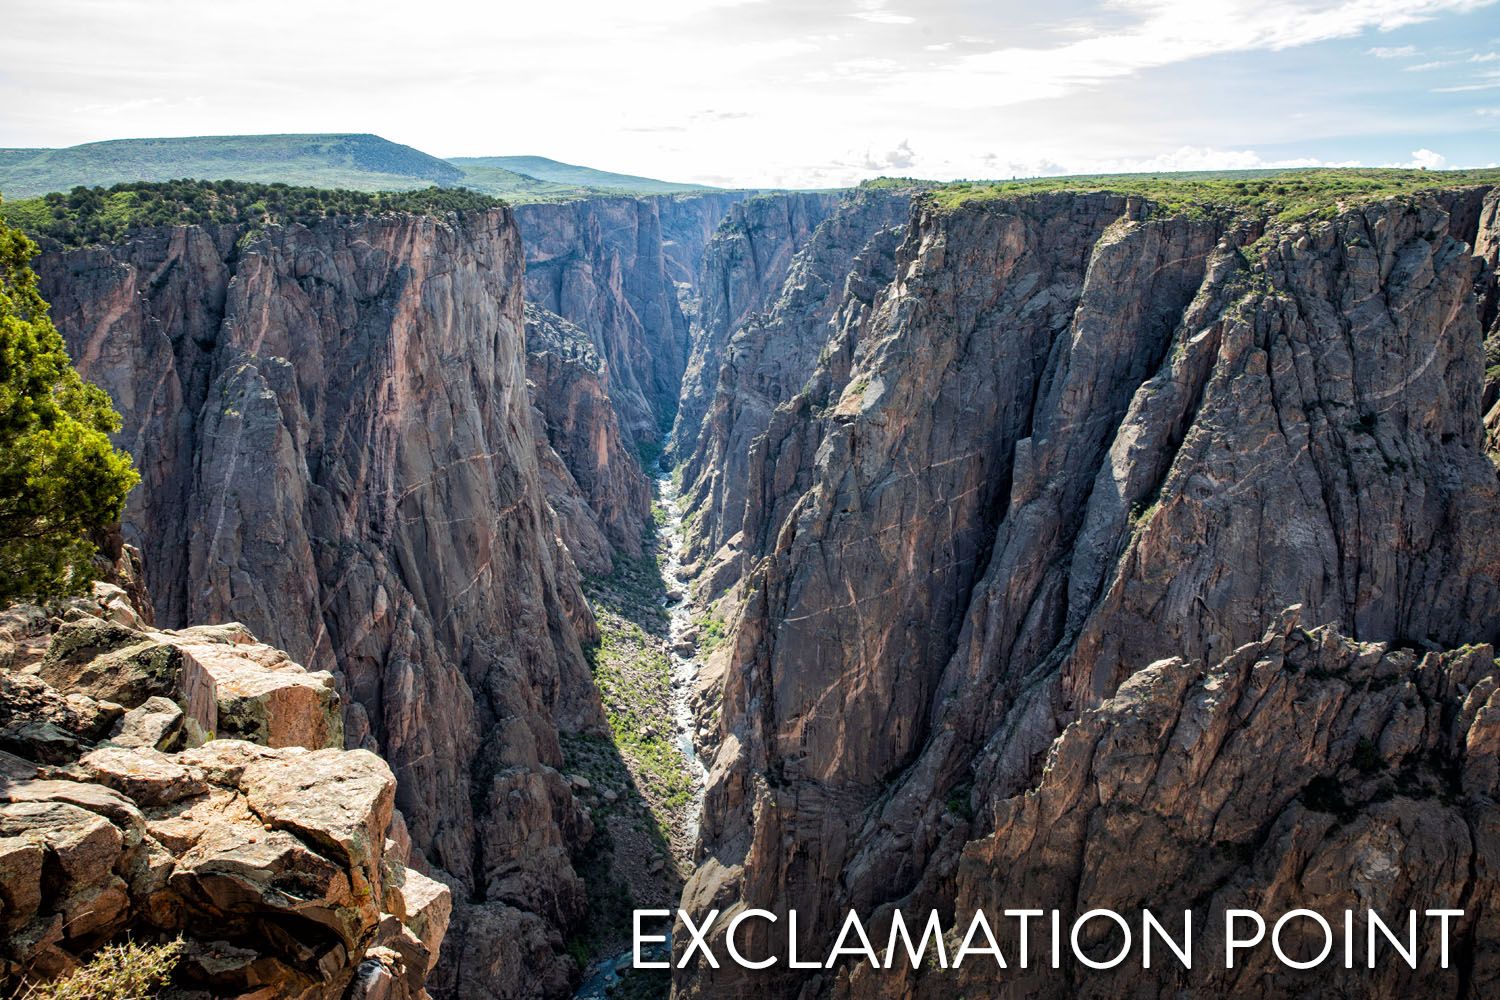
[
  {"x": 156, "y": 724},
  {"x": 278, "y": 848}
]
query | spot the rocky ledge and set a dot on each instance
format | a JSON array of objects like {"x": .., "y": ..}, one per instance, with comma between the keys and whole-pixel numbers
[{"x": 157, "y": 784}]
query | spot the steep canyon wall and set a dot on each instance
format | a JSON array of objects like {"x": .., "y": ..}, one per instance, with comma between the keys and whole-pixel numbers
[
  {"x": 338, "y": 448},
  {"x": 1051, "y": 440}
]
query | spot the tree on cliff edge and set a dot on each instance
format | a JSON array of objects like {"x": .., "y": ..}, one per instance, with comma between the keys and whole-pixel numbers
[{"x": 60, "y": 478}]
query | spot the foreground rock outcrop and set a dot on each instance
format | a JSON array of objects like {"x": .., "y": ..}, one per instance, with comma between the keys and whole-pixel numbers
[
  {"x": 1073, "y": 435},
  {"x": 275, "y": 854}
]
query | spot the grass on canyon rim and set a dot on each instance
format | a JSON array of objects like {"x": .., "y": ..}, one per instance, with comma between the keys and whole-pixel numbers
[
  {"x": 1289, "y": 195},
  {"x": 84, "y": 216}
]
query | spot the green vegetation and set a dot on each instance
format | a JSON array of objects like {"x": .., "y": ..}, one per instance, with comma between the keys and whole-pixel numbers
[
  {"x": 712, "y": 631},
  {"x": 128, "y": 971},
  {"x": 634, "y": 675},
  {"x": 518, "y": 187},
  {"x": 85, "y": 216},
  {"x": 1367, "y": 756},
  {"x": 639, "y": 783},
  {"x": 958, "y": 802},
  {"x": 1289, "y": 195},
  {"x": 61, "y": 481},
  {"x": 346, "y": 162},
  {"x": 359, "y": 162},
  {"x": 572, "y": 175}
]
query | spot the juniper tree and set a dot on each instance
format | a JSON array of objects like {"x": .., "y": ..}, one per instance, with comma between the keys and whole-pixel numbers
[{"x": 61, "y": 480}]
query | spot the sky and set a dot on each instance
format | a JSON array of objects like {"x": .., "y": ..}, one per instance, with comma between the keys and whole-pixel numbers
[{"x": 795, "y": 93}]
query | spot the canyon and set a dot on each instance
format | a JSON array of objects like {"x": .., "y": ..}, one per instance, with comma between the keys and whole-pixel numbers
[{"x": 1008, "y": 543}]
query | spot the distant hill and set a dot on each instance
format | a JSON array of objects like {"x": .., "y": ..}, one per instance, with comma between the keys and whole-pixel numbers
[
  {"x": 569, "y": 173},
  {"x": 355, "y": 162},
  {"x": 350, "y": 162}
]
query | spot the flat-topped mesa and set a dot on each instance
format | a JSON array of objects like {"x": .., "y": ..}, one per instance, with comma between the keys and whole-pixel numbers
[
  {"x": 338, "y": 449},
  {"x": 1072, "y": 435},
  {"x": 122, "y": 814}
]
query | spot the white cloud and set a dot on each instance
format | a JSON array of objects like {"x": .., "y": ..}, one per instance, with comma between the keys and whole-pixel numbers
[
  {"x": 874, "y": 11},
  {"x": 1424, "y": 159},
  {"x": 1484, "y": 80},
  {"x": 1206, "y": 158},
  {"x": 1398, "y": 52},
  {"x": 900, "y": 158},
  {"x": 1164, "y": 32}
]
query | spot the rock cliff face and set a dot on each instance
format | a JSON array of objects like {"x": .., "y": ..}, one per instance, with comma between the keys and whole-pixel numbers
[
  {"x": 276, "y": 855},
  {"x": 1002, "y": 508},
  {"x": 337, "y": 448},
  {"x": 1487, "y": 247},
  {"x": 1304, "y": 769},
  {"x": 744, "y": 267},
  {"x": 620, "y": 268},
  {"x": 766, "y": 356},
  {"x": 600, "y": 493},
  {"x": 1072, "y": 436}
]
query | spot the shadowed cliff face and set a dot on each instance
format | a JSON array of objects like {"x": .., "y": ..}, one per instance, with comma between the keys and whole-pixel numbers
[
  {"x": 744, "y": 267},
  {"x": 591, "y": 477},
  {"x": 338, "y": 449},
  {"x": 767, "y": 353},
  {"x": 621, "y": 268},
  {"x": 1069, "y": 438}
]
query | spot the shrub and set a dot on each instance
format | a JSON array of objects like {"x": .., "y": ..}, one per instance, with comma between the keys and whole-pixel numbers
[
  {"x": 61, "y": 480},
  {"x": 129, "y": 971}
]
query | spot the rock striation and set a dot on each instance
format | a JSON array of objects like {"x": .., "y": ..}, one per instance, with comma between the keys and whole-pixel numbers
[
  {"x": 591, "y": 476},
  {"x": 1304, "y": 769},
  {"x": 621, "y": 269},
  {"x": 338, "y": 449},
  {"x": 744, "y": 267},
  {"x": 768, "y": 354},
  {"x": 1069, "y": 436},
  {"x": 276, "y": 855}
]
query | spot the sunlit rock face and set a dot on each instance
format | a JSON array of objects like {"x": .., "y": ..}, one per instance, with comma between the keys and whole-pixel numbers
[
  {"x": 192, "y": 785},
  {"x": 1063, "y": 438}
]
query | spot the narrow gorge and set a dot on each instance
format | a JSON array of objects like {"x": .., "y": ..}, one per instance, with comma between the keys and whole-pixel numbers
[{"x": 813, "y": 551}]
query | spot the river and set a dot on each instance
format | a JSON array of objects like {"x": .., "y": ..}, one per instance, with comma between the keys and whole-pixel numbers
[{"x": 605, "y": 973}]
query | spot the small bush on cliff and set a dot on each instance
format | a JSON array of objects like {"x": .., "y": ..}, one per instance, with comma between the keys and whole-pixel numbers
[
  {"x": 61, "y": 480},
  {"x": 128, "y": 971}
]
